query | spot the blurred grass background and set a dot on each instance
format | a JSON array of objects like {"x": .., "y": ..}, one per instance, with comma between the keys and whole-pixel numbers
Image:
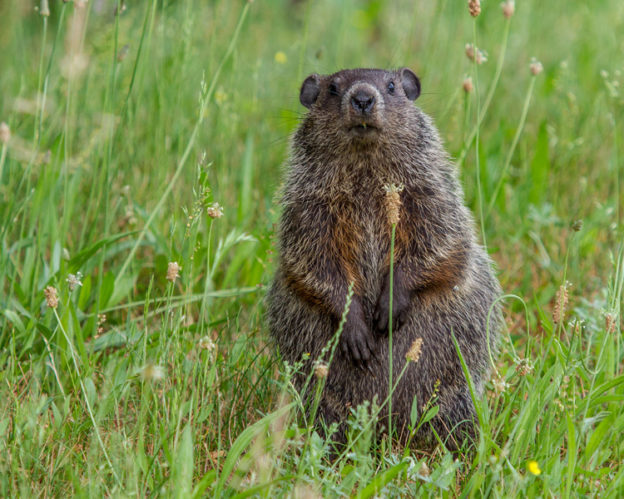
[{"x": 128, "y": 120}]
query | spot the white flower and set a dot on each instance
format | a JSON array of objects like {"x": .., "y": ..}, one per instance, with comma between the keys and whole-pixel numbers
[
  {"x": 74, "y": 280},
  {"x": 152, "y": 372},
  {"x": 214, "y": 211},
  {"x": 536, "y": 67},
  {"x": 206, "y": 343}
]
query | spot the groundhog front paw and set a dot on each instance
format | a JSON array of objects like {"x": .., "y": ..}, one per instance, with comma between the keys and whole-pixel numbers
[
  {"x": 357, "y": 341},
  {"x": 400, "y": 304}
]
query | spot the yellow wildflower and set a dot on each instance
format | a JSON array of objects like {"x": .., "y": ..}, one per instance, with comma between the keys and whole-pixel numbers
[
  {"x": 280, "y": 57},
  {"x": 220, "y": 96},
  {"x": 534, "y": 468}
]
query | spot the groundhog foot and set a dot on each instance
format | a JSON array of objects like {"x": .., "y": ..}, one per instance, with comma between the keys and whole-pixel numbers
[
  {"x": 400, "y": 304},
  {"x": 357, "y": 340}
]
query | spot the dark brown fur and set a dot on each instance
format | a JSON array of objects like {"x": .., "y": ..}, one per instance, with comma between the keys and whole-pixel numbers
[{"x": 334, "y": 230}]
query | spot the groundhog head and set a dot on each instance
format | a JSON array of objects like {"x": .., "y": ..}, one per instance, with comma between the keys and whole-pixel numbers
[{"x": 360, "y": 105}]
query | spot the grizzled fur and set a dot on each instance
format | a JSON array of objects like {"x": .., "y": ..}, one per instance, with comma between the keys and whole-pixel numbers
[{"x": 362, "y": 133}]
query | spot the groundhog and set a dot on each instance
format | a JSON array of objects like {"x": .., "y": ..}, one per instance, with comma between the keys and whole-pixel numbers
[{"x": 363, "y": 143}]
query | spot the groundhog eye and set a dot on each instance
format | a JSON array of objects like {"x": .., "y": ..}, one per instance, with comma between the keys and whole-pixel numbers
[
  {"x": 333, "y": 89},
  {"x": 391, "y": 87}
]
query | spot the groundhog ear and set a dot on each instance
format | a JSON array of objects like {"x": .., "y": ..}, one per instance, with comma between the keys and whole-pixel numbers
[
  {"x": 309, "y": 90},
  {"x": 411, "y": 84}
]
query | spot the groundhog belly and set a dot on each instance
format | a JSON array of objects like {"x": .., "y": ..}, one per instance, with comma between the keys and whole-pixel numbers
[{"x": 372, "y": 256}]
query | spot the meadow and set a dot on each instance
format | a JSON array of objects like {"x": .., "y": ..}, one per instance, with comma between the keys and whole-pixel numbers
[{"x": 141, "y": 153}]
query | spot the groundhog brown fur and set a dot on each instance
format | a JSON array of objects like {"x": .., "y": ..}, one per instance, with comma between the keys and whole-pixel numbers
[{"x": 361, "y": 135}]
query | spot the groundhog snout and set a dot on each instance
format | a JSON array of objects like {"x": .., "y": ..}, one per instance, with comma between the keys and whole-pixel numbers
[
  {"x": 363, "y": 101},
  {"x": 362, "y": 108}
]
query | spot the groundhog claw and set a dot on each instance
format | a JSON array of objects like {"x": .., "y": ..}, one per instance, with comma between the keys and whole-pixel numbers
[{"x": 357, "y": 341}]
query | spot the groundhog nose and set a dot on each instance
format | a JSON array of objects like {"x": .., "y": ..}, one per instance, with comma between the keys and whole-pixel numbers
[{"x": 362, "y": 101}]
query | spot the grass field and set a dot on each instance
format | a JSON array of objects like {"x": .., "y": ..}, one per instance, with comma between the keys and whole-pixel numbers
[{"x": 124, "y": 125}]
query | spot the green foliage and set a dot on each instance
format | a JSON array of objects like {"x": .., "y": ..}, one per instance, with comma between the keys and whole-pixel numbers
[{"x": 126, "y": 128}]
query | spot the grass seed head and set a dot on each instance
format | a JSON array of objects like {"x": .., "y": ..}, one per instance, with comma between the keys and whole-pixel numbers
[
  {"x": 74, "y": 280},
  {"x": 578, "y": 327},
  {"x": 561, "y": 302},
  {"x": 5, "y": 133},
  {"x": 75, "y": 61},
  {"x": 44, "y": 9},
  {"x": 475, "y": 54},
  {"x": 500, "y": 385},
  {"x": 577, "y": 225},
  {"x": 508, "y": 7},
  {"x": 610, "y": 322},
  {"x": 173, "y": 271},
  {"x": 51, "y": 296},
  {"x": 413, "y": 354},
  {"x": 470, "y": 51},
  {"x": 100, "y": 323},
  {"x": 474, "y": 7},
  {"x": 214, "y": 211},
  {"x": 536, "y": 67},
  {"x": 393, "y": 202},
  {"x": 524, "y": 367},
  {"x": 467, "y": 85},
  {"x": 321, "y": 370}
]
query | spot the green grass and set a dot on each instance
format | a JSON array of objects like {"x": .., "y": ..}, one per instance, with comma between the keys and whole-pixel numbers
[{"x": 125, "y": 129}]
